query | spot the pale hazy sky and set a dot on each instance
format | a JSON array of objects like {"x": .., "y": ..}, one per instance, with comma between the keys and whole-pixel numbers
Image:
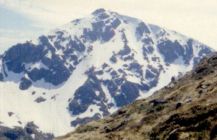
[{"x": 26, "y": 19}]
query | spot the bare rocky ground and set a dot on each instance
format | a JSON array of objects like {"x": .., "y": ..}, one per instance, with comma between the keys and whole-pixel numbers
[{"x": 186, "y": 109}]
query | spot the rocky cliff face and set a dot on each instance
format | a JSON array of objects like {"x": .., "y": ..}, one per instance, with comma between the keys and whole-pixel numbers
[
  {"x": 89, "y": 68},
  {"x": 184, "y": 109}
]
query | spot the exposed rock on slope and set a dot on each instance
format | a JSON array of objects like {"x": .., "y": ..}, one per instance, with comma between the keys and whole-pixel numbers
[
  {"x": 29, "y": 132},
  {"x": 185, "y": 109}
]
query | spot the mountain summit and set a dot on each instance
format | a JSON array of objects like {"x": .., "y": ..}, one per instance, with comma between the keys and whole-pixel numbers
[{"x": 88, "y": 69}]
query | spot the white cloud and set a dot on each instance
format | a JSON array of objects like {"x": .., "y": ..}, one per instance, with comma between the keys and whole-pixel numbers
[{"x": 197, "y": 19}]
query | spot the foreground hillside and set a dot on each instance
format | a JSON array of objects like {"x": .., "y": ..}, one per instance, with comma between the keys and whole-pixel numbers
[{"x": 185, "y": 109}]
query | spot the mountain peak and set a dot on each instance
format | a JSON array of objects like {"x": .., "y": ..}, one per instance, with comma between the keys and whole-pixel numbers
[
  {"x": 102, "y": 14},
  {"x": 91, "y": 67},
  {"x": 98, "y": 11}
]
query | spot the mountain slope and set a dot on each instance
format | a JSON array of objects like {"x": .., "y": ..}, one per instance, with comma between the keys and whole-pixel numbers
[
  {"x": 185, "y": 109},
  {"x": 89, "y": 68}
]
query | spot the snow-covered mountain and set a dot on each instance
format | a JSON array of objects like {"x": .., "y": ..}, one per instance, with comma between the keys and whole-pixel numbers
[{"x": 89, "y": 68}]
